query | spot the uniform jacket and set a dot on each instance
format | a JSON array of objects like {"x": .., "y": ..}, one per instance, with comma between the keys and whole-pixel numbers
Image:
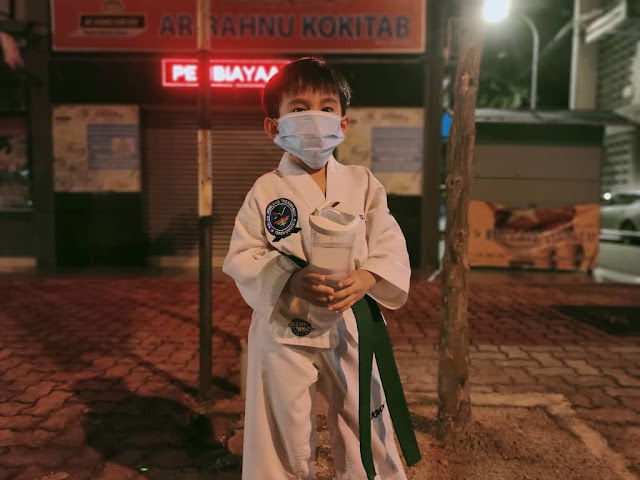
[{"x": 274, "y": 219}]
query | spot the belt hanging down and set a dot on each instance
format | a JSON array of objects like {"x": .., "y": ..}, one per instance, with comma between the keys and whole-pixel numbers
[{"x": 373, "y": 339}]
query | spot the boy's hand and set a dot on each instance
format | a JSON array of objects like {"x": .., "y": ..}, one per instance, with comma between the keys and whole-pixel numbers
[
  {"x": 354, "y": 287},
  {"x": 309, "y": 286}
]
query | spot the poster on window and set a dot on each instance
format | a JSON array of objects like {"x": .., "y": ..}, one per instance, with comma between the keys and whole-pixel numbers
[
  {"x": 541, "y": 238},
  {"x": 96, "y": 148},
  {"x": 14, "y": 168},
  {"x": 388, "y": 141}
]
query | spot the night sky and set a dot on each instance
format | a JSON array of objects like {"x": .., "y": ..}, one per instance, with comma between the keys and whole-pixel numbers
[{"x": 506, "y": 62}]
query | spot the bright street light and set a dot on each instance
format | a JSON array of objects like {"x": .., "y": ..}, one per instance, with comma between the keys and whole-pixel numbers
[{"x": 495, "y": 10}]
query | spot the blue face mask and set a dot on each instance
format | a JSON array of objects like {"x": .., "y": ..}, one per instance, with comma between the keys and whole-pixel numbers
[{"x": 311, "y": 136}]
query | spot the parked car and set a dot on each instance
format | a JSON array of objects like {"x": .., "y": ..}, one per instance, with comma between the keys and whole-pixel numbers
[{"x": 621, "y": 211}]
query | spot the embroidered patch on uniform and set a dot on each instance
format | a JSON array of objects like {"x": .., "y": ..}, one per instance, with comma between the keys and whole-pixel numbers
[
  {"x": 300, "y": 328},
  {"x": 376, "y": 413},
  {"x": 281, "y": 218}
]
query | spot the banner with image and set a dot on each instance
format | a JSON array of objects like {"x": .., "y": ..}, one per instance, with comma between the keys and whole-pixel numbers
[
  {"x": 389, "y": 141},
  {"x": 542, "y": 238},
  {"x": 96, "y": 148}
]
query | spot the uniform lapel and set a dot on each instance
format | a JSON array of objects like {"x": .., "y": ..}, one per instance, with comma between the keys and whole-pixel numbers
[
  {"x": 305, "y": 187},
  {"x": 337, "y": 188}
]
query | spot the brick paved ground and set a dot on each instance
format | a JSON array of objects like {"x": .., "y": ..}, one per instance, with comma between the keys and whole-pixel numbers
[{"x": 98, "y": 374}]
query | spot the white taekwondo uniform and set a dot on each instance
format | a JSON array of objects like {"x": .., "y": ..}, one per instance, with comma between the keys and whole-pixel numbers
[{"x": 288, "y": 355}]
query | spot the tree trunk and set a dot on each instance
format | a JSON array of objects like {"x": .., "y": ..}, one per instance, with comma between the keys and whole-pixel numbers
[{"x": 454, "y": 405}]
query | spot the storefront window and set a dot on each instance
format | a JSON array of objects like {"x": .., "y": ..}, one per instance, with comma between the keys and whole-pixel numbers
[{"x": 14, "y": 165}]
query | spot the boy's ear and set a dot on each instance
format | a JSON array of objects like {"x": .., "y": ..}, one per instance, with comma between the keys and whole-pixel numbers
[
  {"x": 344, "y": 124},
  {"x": 271, "y": 127}
]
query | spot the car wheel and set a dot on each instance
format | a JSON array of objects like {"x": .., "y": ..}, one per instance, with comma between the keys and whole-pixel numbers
[{"x": 628, "y": 226}]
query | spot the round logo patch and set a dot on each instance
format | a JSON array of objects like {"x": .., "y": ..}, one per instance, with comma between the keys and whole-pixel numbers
[
  {"x": 281, "y": 218},
  {"x": 300, "y": 328}
]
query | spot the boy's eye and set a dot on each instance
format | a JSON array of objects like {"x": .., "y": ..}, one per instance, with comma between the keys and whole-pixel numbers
[
  {"x": 327, "y": 109},
  {"x": 299, "y": 109}
]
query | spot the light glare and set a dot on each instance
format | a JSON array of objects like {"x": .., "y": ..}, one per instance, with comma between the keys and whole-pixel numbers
[
  {"x": 607, "y": 196},
  {"x": 495, "y": 10}
]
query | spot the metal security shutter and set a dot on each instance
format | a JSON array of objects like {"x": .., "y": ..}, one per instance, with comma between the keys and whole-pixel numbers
[
  {"x": 170, "y": 179},
  {"x": 241, "y": 153}
]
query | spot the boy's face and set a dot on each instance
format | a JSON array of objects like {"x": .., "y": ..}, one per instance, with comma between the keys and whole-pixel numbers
[{"x": 303, "y": 101}]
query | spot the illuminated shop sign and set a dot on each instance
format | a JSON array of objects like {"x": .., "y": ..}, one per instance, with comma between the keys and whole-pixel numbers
[
  {"x": 247, "y": 27},
  {"x": 222, "y": 73}
]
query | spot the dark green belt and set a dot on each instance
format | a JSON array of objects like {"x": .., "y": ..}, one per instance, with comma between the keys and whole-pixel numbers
[{"x": 373, "y": 339}]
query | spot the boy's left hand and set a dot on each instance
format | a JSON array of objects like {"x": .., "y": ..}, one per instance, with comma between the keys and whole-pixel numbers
[{"x": 353, "y": 288}]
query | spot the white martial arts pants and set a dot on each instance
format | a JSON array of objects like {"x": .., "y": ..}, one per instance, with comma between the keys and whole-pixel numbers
[{"x": 280, "y": 415}]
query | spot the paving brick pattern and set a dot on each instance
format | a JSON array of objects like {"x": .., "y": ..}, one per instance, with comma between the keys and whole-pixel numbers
[{"x": 98, "y": 374}]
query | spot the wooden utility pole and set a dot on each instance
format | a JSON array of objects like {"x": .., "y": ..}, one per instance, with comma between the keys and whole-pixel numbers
[
  {"x": 454, "y": 405},
  {"x": 434, "y": 66},
  {"x": 204, "y": 194}
]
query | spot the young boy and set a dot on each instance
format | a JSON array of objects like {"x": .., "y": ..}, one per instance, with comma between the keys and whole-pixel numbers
[{"x": 289, "y": 357}]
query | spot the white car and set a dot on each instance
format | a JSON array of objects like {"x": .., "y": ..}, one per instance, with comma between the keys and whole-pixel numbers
[{"x": 621, "y": 211}]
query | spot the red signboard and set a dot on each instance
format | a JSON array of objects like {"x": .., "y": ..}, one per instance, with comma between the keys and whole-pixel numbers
[
  {"x": 266, "y": 26},
  {"x": 222, "y": 73}
]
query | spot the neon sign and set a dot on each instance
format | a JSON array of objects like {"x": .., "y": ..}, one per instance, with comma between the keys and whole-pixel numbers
[{"x": 222, "y": 73}]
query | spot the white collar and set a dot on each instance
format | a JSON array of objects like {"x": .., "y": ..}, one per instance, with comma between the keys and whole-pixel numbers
[{"x": 288, "y": 166}]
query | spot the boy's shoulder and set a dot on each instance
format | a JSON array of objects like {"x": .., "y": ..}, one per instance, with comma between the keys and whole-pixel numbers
[
  {"x": 268, "y": 177},
  {"x": 355, "y": 169},
  {"x": 264, "y": 183},
  {"x": 358, "y": 173}
]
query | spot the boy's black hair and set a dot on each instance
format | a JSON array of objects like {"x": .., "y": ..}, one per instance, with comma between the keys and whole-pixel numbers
[{"x": 301, "y": 75}]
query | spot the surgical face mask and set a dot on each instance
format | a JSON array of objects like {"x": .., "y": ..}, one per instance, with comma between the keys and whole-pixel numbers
[{"x": 311, "y": 136}]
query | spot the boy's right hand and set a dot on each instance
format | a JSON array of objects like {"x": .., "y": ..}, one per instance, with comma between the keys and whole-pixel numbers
[{"x": 309, "y": 286}]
